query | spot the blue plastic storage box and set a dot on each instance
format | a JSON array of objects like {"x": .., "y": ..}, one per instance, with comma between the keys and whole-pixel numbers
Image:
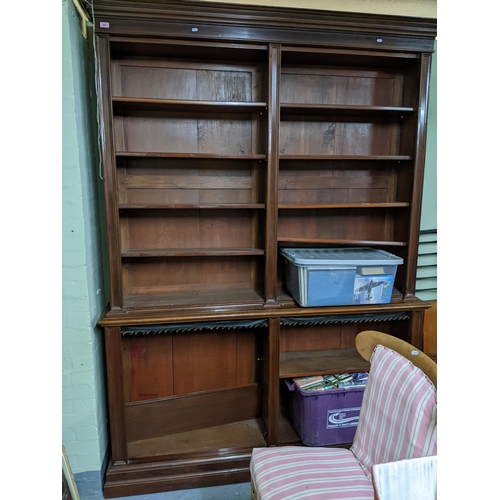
[{"x": 339, "y": 276}]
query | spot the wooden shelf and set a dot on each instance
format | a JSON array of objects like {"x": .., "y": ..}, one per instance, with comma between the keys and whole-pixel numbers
[
  {"x": 167, "y": 309},
  {"x": 192, "y": 252},
  {"x": 136, "y": 103},
  {"x": 225, "y": 206},
  {"x": 342, "y": 205},
  {"x": 216, "y": 298},
  {"x": 348, "y": 157},
  {"x": 305, "y": 363},
  {"x": 290, "y": 109},
  {"x": 341, "y": 242},
  {"x": 199, "y": 156},
  {"x": 246, "y": 434}
]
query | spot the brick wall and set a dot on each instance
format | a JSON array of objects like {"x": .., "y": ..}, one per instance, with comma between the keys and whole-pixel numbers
[{"x": 84, "y": 426}]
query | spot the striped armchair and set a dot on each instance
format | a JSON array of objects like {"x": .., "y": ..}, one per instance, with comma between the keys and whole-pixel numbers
[{"x": 397, "y": 421}]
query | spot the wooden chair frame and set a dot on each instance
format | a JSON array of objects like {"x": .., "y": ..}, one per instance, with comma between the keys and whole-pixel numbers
[{"x": 367, "y": 340}]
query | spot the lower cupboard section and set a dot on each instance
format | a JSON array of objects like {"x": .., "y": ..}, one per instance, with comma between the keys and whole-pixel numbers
[
  {"x": 227, "y": 418},
  {"x": 189, "y": 360},
  {"x": 189, "y": 401},
  {"x": 192, "y": 388}
]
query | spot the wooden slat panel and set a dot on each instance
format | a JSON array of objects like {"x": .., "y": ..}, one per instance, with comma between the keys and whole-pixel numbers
[
  {"x": 121, "y": 188},
  {"x": 204, "y": 361},
  {"x": 226, "y": 134},
  {"x": 150, "y": 230},
  {"x": 158, "y": 83},
  {"x": 187, "y": 181},
  {"x": 368, "y": 196},
  {"x": 335, "y": 182},
  {"x": 162, "y": 79},
  {"x": 302, "y": 196},
  {"x": 224, "y": 85},
  {"x": 324, "y": 337},
  {"x": 337, "y": 138},
  {"x": 233, "y": 195},
  {"x": 321, "y": 224},
  {"x": 152, "y": 419},
  {"x": 352, "y": 88},
  {"x": 248, "y": 347},
  {"x": 226, "y": 228},
  {"x": 150, "y": 131},
  {"x": 335, "y": 71},
  {"x": 115, "y": 76},
  {"x": 194, "y": 274},
  {"x": 348, "y": 332},
  {"x": 338, "y": 198},
  {"x": 310, "y": 181},
  {"x": 150, "y": 367},
  {"x": 310, "y": 338}
]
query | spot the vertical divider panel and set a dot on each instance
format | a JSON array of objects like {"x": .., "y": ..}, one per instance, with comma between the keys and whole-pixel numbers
[
  {"x": 415, "y": 331},
  {"x": 416, "y": 201},
  {"x": 116, "y": 402},
  {"x": 270, "y": 377},
  {"x": 108, "y": 158},
  {"x": 272, "y": 175}
]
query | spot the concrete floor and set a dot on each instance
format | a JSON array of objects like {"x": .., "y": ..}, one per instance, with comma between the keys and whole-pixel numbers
[{"x": 240, "y": 491}]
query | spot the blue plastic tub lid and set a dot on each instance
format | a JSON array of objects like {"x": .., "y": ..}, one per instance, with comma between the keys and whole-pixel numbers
[{"x": 341, "y": 256}]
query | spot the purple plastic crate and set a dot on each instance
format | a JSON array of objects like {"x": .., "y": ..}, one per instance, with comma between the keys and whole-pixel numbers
[{"x": 325, "y": 417}]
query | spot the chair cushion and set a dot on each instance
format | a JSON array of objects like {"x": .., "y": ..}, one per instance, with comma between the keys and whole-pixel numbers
[
  {"x": 398, "y": 418},
  {"x": 295, "y": 472}
]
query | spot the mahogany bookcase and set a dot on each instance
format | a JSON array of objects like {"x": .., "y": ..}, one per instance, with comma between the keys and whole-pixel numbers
[{"x": 229, "y": 132}]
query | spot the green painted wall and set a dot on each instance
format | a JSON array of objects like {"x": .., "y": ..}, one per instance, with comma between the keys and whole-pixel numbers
[
  {"x": 426, "y": 288},
  {"x": 84, "y": 427},
  {"x": 429, "y": 202}
]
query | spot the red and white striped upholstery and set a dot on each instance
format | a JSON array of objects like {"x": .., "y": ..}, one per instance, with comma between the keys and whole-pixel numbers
[
  {"x": 398, "y": 417},
  {"x": 397, "y": 421},
  {"x": 294, "y": 472}
]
